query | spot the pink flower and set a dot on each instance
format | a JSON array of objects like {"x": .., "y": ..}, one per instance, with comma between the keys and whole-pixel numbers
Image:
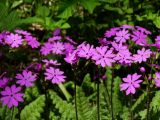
[
  {"x": 131, "y": 82},
  {"x": 124, "y": 57},
  {"x": 22, "y": 32},
  {"x": 54, "y": 38},
  {"x": 139, "y": 38},
  {"x": 141, "y": 29},
  {"x": 14, "y": 40},
  {"x": 46, "y": 48},
  {"x": 55, "y": 75},
  {"x": 111, "y": 32},
  {"x": 142, "y": 55},
  {"x": 68, "y": 48},
  {"x": 11, "y": 96},
  {"x": 26, "y": 78},
  {"x": 58, "y": 48},
  {"x": 4, "y": 82},
  {"x": 157, "y": 79},
  {"x": 51, "y": 62},
  {"x": 32, "y": 41},
  {"x": 119, "y": 46},
  {"x": 72, "y": 57},
  {"x": 122, "y": 36},
  {"x": 103, "y": 56},
  {"x": 85, "y": 51}
]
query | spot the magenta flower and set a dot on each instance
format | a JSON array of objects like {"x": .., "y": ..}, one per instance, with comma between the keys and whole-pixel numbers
[
  {"x": 157, "y": 79},
  {"x": 58, "y": 48},
  {"x": 131, "y": 83},
  {"x": 32, "y": 41},
  {"x": 70, "y": 40},
  {"x": 46, "y": 48},
  {"x": 22, "y": 32},
  {"x": 122, "y": 36},
  {"x": 85, "y": 51},
  {"x": 141, "y": 29},
  {"x": 55, "y": 75},
  {"x": 139, "y": 38},
  {"x": 54, "y": 38},
  {"x": 157, "y": 42},
  {"x": 71, "y": 58},
  {"x": 11, "y": 96},
  {"x": 51, "y": 62},
  {"x": 111, "y": 32},
  {"x": 4, "y": 82},
  {"x": 103, "y": 41},
  {"x": 142, "y": 55},
  {"x": 118, "y": 46},
  {"x": 56, "y": 32},
  {"x": 14, "y": 40},
  {"x": 103, "y": 56},
  {"x": 127, "y": 27},
  {"x": 69, "y": 48},
  {"x": 26, "y": 78},
  {"x": 124, "y": 57}
]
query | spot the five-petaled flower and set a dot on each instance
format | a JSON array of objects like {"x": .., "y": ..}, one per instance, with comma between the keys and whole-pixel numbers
[
  {"x": 131, "y": 82},
  {"x": 11, "y": 96}
]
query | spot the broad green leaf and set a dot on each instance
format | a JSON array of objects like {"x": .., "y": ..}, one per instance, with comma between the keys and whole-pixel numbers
[{"x": 90, "y": 5}]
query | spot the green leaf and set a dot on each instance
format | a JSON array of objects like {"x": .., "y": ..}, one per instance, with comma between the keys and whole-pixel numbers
[
  {"x": 42, "y": 11},
  {"x": 67, "y": 8},
  {"x": 34, "y": 109},
  {"x": 157, "y": 22},
  {"x": 65, "y": 109},
  {"x": 90, "y": 5},
  {"x": 139, "y": 101}
]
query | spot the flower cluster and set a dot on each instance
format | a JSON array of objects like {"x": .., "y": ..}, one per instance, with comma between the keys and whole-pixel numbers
[{"x": 126, "y": 46}]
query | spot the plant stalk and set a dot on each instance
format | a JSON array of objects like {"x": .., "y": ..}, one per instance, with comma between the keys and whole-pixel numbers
[
  {"x": 12, "y": 113},
  {"x": 112, "y": 112},
  {"x": 98, "y": 113}
]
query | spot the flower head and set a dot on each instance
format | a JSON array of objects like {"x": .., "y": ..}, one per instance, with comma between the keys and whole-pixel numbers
[
  {"x": 157, "y": 79},
  {"x": 4, "y": 82},
  {"x": 55, "y": 75},
  {"x": 46, "y": 48},
  {"x": 32, "y": 41},
  {"x": 122, "y": 36},
  {"x": 103, "y": 56},
  {"x": 14, "y": 40},
  {"x": 85, "y": 51},
  {"x": 142, "y": 55},
  {"x": 26, "y": 78},
  {"x": 131, "y": 82},
  {"x": 11, "y": 96},
  {"x": 58, "y": 48}
]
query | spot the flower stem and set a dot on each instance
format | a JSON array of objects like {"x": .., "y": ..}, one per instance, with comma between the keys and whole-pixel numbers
[
  {"x": 12, "y": 113},
  {"x": 98, "y": 113},
  {"x": 131, "y": 113},
  {"x": 65, "y": 92},
  {"x": 112, "y": 113},
  {"x": 75, "y": 99}
]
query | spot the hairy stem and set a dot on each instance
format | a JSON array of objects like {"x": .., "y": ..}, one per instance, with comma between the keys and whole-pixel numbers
[
  {"x": 75, "y": 99},
  {"x": 131, "y": 112},
  {"x": 98, "y": 113},
  {"x": 12, "y": 113},
  {"x": 112, "y": 113}
]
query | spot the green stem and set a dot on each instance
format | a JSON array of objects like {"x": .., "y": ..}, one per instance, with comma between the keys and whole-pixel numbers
[
  {"x": 12, "y": 113},
  {"x": 112, "y": 114},
  {"x": 98, "y": 113},
  {"x": 75, "y": 99},
  {"x": 131, "y": 112},
  {"x": 65, "y": 92}
]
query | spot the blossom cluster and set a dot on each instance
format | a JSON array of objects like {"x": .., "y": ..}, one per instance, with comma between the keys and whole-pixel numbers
[{"x": 126, "y": 46}]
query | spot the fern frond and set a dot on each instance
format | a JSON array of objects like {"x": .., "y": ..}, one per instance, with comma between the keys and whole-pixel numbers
[
  {"x": 34, "y": 109},
  {"x": 139, "y": 101},
  {"x": 65, "y": 109},
  {"x": 155, "y": 104},
  {"x": 85, "y": 110}
]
